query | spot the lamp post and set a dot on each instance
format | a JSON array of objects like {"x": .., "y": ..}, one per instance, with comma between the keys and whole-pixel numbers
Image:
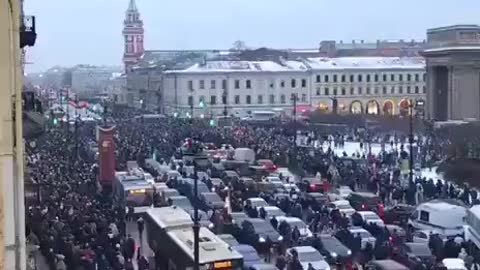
[
  {"x": 196, "y": 225},
  {"x": 190, "y": 95},
  {"x": 410, "y": 138},
  {"x": 224, "y": 99},
  {"x": 294, "y": 99}
]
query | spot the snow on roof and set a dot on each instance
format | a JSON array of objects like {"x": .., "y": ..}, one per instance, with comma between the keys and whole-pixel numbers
[
  {"x": 441, "y": 206},
  {"x": 242, "y": 66},
  {"x": 453, "y": 48},
  {"x": 367, "y": 63}
]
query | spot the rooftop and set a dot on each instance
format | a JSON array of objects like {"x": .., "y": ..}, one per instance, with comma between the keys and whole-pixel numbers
[
  {"x": 212, "y": 248},
  {"x": 441, "y": 206},
  {"x": 170, "y": 217},
  {"x": 321, "y": 63}
]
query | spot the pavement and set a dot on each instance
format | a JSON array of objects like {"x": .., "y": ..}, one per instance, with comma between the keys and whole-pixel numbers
[{"x": 141, "y": 241}]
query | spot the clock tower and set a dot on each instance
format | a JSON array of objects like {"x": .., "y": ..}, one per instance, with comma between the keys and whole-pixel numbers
[{"x": 133, "y": 37}]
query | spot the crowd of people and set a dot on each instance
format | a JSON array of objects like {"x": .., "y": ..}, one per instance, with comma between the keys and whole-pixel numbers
[{"x": 78, "y": 227}]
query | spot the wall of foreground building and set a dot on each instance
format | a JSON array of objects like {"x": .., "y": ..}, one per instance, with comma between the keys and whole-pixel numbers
[{"x": 12, "y": 209}]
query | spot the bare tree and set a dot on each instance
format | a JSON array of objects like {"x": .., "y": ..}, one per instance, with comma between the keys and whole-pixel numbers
[{"x": 239, "y": 45}]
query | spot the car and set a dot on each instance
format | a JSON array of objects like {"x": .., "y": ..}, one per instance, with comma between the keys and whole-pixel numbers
[
  {"x": 396, "y": 234},
  {"x": 423, "y": 236},
  {"x": 398, "y": 214},
  {"x": 454, "y": 264},
  {"x": 267, "y": 164},
  {"x": 361, "y": 218},
  {"x": 256, "y": 202},
  {"x": 229, "y": 239},
  {"x": 309, "y": 255},
  {"x": 263, "y": 230},
  {"x": 343, "y": 207},
  {"x": 271, "y": 211},
  {"x": 238, "y": 217},
  {"x": 315, "y": 184},
  {"x": 180, "y": 201},
  {"x": 364, "y": 234},
  {"x": 211, "y": 201},
  {"x": 366, "y": 201},
  {"x": 249, "y": 254},
  {"x": 276, "y": 181},
  {"x": 333, "y": 250},
  {"x": 413, "y": 255},
  {"x": 385, "y": 265},
  {"x": 291, "y": 186},
  {"x": 296, "y": 222},
  {"x": 315, "y": 200}
]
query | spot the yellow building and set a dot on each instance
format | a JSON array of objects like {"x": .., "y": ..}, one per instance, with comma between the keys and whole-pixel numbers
[{"x": 12, "y": 208}]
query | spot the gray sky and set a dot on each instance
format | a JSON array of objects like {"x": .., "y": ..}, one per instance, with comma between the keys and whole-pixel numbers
[{"x": 89, "y": 31}]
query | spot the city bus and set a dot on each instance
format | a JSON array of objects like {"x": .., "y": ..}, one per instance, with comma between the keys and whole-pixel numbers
[
  {"x": 132, "y": 190},
  {"x": 170, "y": 236},
  {"x": 472, "y": 227}
]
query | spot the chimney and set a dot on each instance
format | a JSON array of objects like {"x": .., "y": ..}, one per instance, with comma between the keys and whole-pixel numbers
[
  {"x": 353, "y": 41},
  {"x": 341, "y": 42},
  {"x": 401, "y": 41},
  {"x": 362, "y": 41}
]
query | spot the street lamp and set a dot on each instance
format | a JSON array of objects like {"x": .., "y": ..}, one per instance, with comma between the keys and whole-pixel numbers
[
  {"x": 190, "y": 100},
  {"x": 295, "y": 99},
  {"x": 410, "y": 138}
]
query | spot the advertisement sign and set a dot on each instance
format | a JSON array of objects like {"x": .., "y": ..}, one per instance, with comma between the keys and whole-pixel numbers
[{"x": 106, "y": 151}]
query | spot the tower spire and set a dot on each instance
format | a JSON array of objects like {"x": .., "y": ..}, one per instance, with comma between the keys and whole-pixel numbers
[
  {"x": 133, "y": 36},
  {"x": 132, "y": 6}
]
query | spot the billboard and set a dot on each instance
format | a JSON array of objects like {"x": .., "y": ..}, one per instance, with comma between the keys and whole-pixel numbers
[{"x": 106, "y": 152}]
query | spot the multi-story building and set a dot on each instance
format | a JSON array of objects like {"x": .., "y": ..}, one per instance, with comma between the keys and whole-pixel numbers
[
  {"x": 240, "y": 86},
  {"x": 372, "y": 85}
]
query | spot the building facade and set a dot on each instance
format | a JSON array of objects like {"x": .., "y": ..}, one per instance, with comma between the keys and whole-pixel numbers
[
  {"x": 372, "y": 85},
  {"x": 133, "y": 34},
  {"x": 453, "y": 73}
]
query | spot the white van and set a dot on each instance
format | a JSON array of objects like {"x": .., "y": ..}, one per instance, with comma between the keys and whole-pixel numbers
[
  {"x": 439, "y": 217},
  {"x": 244, "y": 154}
]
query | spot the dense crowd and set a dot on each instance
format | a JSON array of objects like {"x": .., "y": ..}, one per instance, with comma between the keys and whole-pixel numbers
[{"x": 77, "y": 227}]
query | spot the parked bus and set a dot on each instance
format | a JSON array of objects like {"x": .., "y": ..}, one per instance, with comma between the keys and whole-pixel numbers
[
  {"x": 170, "y": 236},
  {"x": 132, "y": 190}
]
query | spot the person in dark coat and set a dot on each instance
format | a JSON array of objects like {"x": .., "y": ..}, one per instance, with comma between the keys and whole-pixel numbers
[{"x": 129, "y": 248}]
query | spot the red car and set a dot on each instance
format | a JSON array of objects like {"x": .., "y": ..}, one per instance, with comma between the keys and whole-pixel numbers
[{"x": 268, "y": 165}]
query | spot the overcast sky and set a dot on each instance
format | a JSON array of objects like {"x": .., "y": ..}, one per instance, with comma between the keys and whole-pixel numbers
[{"x": 89, "y": 31}]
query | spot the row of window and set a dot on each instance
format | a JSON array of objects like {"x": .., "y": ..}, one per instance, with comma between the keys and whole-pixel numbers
[
  {"x": 248, "y": 99},
  {"x": 326, "y": 78},
  {"x": 248, "y": 84},
  {"x": 368, "y": 78},
  {"x": 368, "y": 91}
]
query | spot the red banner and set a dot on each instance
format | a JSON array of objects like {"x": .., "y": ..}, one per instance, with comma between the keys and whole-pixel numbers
[{"x": 106, "y": 149}]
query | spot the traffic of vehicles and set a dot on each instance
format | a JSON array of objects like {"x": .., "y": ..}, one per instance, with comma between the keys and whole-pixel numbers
[{"x": 252, "y": 232}]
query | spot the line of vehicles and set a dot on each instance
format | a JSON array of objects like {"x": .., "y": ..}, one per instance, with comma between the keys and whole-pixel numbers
[{"x": 243, "y": 237}]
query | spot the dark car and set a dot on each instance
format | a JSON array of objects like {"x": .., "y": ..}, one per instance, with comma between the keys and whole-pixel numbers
[
  {"x": 385, "y": 265},
  {"x": 263, "y": 233},
  {"x": 315, "y": 200},
  {"x": 366, "y": 201},
  {"x": 333, "y": 250},
  {"x": 211, "y": 201},
  {"x": 398, "y": 214},
  {"x": 413, "y": 255}
]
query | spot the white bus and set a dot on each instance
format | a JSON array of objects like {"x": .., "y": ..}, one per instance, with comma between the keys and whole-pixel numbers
[
  {"x": 170, "y": 236},
  {"x": 132, "y": 190}
]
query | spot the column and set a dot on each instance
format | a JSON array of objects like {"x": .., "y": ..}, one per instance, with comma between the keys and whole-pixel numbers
[
  {"x": 450, "y": 91},
  {"x": 430, "y": 96}
]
